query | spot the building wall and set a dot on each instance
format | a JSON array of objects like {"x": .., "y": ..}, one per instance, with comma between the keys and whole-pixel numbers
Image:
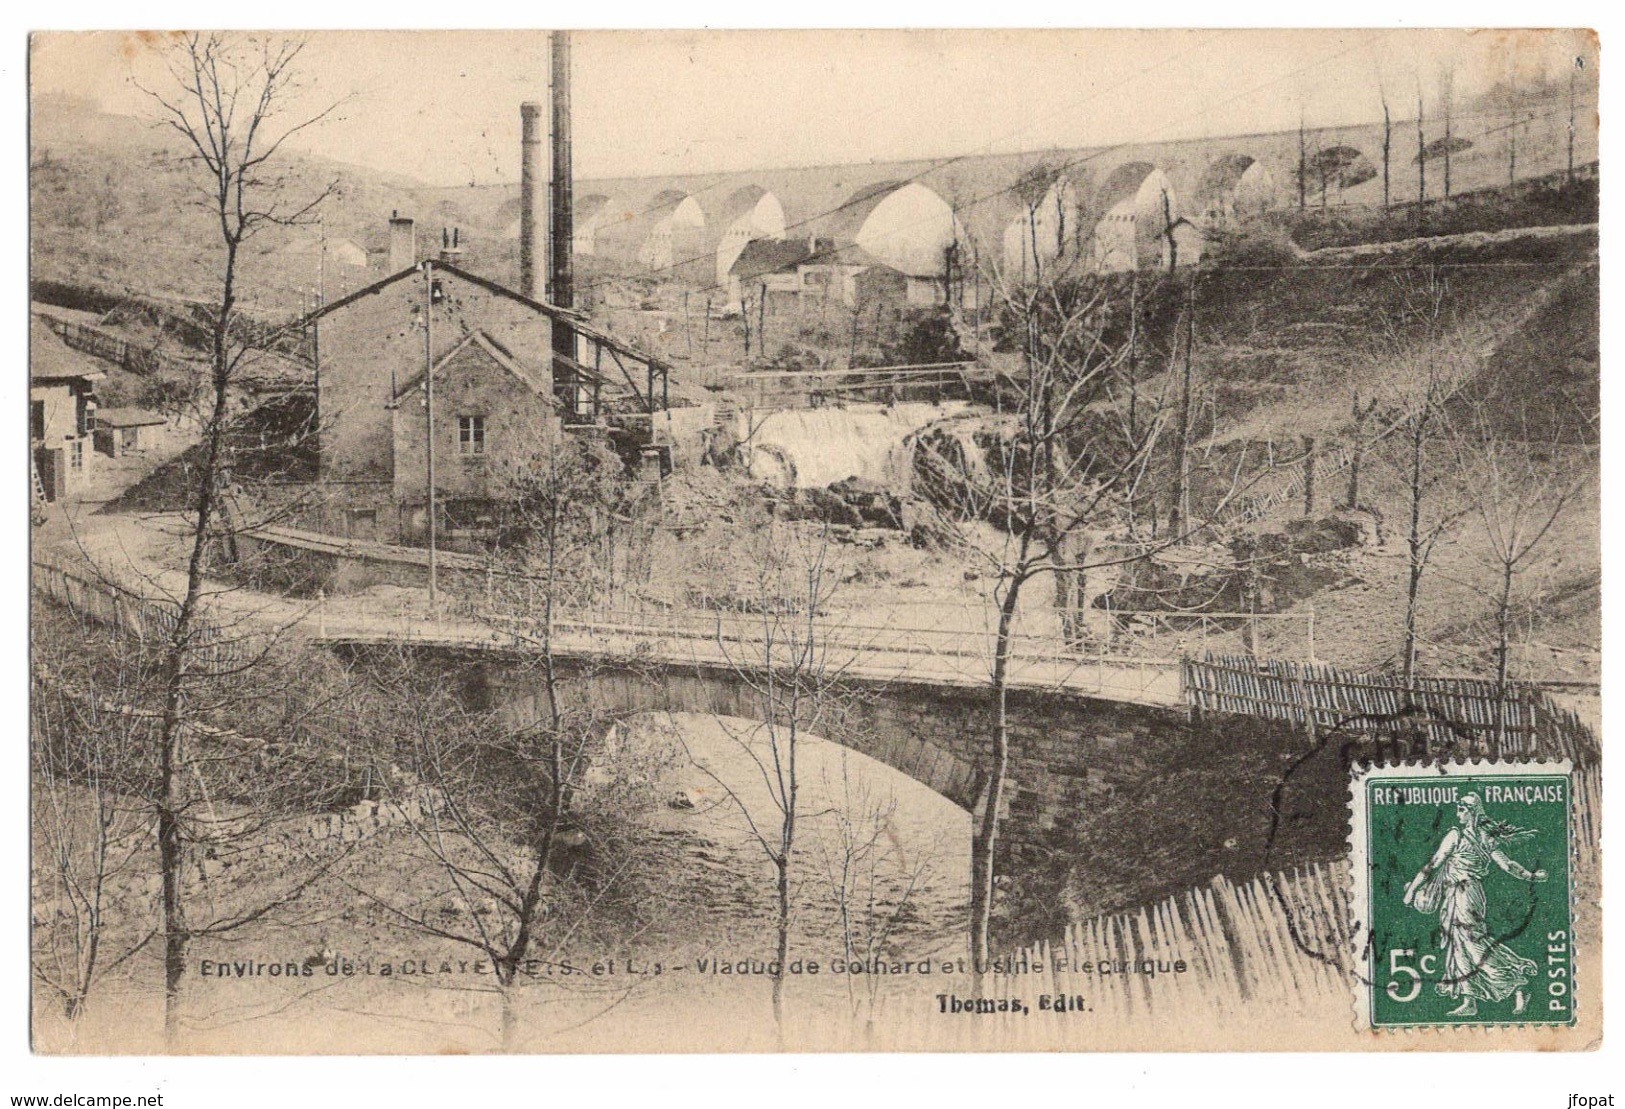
[
  {"x": 376, "y": 343},
  {"x": 116, "y": 442},
  {"x": 518, "y": 422},
  {"x": 66, "y": 410}
]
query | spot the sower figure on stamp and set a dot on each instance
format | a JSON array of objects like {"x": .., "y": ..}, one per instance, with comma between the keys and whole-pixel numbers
[{"x": 1476, "y": 966}]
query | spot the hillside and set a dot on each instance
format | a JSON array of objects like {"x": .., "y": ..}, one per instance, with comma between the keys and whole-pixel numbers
[
  {"x": 112, "y": 196},
  {"x": 114, "y": 205}
]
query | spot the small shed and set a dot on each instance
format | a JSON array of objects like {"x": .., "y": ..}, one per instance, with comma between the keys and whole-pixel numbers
[{"x": 121, "y": 431}]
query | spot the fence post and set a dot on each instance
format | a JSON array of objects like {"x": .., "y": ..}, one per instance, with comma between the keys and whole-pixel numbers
[{"x": 1309, "y": 475}]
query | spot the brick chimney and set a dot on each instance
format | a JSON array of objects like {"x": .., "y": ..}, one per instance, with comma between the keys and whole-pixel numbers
[
  {"x": 403, "y": 243},
  {"x": 534, "y": 186}
]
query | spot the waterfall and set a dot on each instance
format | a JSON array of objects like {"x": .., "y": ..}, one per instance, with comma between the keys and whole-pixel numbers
[{"x": 816, "y": 447}]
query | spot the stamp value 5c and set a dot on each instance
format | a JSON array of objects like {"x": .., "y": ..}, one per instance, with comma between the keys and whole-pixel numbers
[{"x": 1462, "y": 913}]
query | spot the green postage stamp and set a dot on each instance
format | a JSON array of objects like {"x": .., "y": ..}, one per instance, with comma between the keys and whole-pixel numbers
[{"x": 1462, "y": 911}]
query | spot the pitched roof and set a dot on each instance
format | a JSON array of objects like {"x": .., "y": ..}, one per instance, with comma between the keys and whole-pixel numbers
[
  {"x": 762, "y": 256},
  {"x": 51, "y": 359},
  {"x": 127, "y": 417},
  {"x": 575, "y": 320},
  {"x": 536, "y": 382}
]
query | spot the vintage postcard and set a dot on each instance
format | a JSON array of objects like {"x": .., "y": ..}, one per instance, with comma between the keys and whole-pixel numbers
[{"x": 751, "y": 541}]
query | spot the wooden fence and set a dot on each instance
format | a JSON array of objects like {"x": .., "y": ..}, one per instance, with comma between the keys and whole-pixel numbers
[
  {"x": 109, "y": 603},
  {"x": 1279, "y": 938},
  {"x": 1449, "y": 714},
  {"x": 105, "y": 345},
  {"x": 1280, "y": 944},
  {"x": 1328, "y": 464}
]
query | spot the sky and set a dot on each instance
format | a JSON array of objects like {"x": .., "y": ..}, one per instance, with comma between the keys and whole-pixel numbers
[{"x": 443, "y": 106}]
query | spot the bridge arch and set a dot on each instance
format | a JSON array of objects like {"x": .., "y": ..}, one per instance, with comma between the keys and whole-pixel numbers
[
  {"x": 904, "y": 225},
  {"x": 749, "y": 213},
  {"x": 1068, "y": 748},
  {"x": 886, "y": 728},
  {"x": 1235, "y": 188},
  {"x": 1139, "y": 216},
  {"x": 669, "y": 233},
  {"x": 1046, "y": 226},
  {"x": 591, "y": 212}
]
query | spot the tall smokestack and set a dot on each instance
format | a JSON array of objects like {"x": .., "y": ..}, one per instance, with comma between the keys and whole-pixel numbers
[
  {"x": 403, "y": 243},
  {"x": 561, "y": 270},
  {"x": 533, "y": 218}
]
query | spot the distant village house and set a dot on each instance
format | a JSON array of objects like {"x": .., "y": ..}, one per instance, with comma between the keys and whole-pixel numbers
[
  {"x": 122, "y": 431},
  {"x": 61, "y": 412}
]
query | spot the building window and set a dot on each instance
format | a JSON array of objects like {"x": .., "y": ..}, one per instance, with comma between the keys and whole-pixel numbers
[
  {"x": 471, "y": 434},
  {"x": 76, "y": 454}
]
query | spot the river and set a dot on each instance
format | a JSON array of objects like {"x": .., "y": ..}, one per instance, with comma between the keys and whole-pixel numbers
[{"x": 880, "y": 865}]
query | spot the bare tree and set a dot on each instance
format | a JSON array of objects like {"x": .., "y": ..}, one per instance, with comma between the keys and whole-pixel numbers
[
  {"x": 873, "y": 878},
  {"x": 512, "y": 826},
  {"x": 779, "y": 650},
  {"x": 1420, "y": 356},
  {"x": 1361, "y": 412},
  {"x": 1058, "y": 486},
  {"x": 226, "y": 99},
  {"x": 1038, "y": 189},
  {"x": 518, "y": 814},
  {"x": 261, "y": 751},
  {"x": 92, "y": 831},
  {"x": 1517, "y": 483}
]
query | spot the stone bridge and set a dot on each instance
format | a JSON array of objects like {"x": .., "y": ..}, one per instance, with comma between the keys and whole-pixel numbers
[
  {"x": 1092, "y": 738},
  {"x": 1070, "y": 751}
]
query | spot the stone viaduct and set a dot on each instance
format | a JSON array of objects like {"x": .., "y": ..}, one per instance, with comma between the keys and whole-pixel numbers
[{"x": 1202, "y": 179}]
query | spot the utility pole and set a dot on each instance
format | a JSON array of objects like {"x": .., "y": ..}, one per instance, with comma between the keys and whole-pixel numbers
[
  {"x": 428, "y": 388},
  {"x": 1512, "y": 129},
  {"x": 1387, "y": 144},
  {"x": 1572, "y": 71},
  {"x": 1421, "y": 157},
  {"x": 1449, "y": 91},
  {"x": 1180, "y": 512},
  {"x": 1303, "y": 165},
  {"x": 316, "y": 327},
  {"x": 761, "y": 323}
]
